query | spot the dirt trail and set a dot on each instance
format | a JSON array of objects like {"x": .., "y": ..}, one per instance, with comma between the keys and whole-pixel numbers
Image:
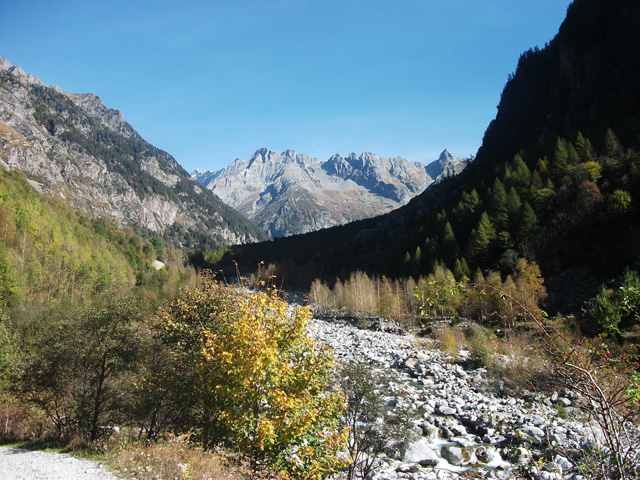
[{"x": 18, "y": 464}]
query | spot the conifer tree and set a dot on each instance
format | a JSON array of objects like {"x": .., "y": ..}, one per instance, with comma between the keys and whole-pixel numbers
[
  {"x": 481, "y": 240},
  {"x": 584, "y": 148},
  {"x": 536, "y": 181},
  {"x": 449, "y": 245},
  {"x": 471, "y": 201},
  {"x": 520, "y": 174},
  {"x": 543, "y": 167},
  {"x": 461, "y": 269},
  {"x": 528, "y": 221},
  {"x": 572, "y": 153},
  {"x": 611, "y": 143},
  {"x": 513, "y": 203},
  {"x": 498, "y": 203},
  {"x": 560, "y": 157},
  {"x": 417, "y": 257}
]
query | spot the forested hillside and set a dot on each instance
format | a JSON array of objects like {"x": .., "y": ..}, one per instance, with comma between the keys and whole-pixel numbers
[
  {"x": 49, "y": 252},
  {"x": 555, "y": 180},
  {"x": 103, "y": 330}
]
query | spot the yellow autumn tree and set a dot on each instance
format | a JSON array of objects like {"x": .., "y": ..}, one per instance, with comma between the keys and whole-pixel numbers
[{"x": 261, "y": 383}]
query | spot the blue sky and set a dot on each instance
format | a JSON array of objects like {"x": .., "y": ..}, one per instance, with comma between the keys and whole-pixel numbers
[{"x": 212, "y": 81}]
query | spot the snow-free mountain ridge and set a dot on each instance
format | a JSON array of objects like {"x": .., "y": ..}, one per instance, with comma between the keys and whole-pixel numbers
[
  {"x": 73, "y": 147},
  {"x": 289, "y": 193}
]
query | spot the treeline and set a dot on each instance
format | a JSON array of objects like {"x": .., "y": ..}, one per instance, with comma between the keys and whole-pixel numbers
[
  {"x": 442, "y": 294},
  {"x": 562, "y": 204}
]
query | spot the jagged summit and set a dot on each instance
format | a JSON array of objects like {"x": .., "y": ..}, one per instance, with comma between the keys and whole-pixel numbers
[
  {"x": 288, "y": 193},
  {"x": 18, "y": 72},
  {"x": 446, "y": 166}
]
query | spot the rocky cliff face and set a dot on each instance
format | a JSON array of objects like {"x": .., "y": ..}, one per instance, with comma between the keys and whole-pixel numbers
[
  {"x": 73, "y": 147},
  {"x": 288, "y": 193}
]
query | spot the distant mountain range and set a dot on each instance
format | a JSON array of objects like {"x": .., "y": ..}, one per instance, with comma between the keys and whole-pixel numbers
[
  {"x": 288, "y": 193},
  {"x": 73, "y": 147}
]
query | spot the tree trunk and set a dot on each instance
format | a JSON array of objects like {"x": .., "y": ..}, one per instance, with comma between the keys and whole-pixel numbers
[{"x": 97, "y": 403}]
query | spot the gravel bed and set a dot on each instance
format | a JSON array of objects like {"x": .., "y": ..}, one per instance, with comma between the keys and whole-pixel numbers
[{"x": 19, "y": 464}]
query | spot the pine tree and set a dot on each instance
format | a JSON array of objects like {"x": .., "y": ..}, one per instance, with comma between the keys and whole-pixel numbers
[
  {"x": 584, "y": 148},
  {"x": 543, "y": 167},
  {"x": 573, "y": 155},
  {"x": 461, "y": 269},
  {"x": 471, "y": 201},
  {"x": 513, "y": 203},
  {"x": 449, "y": 245},
  {"x": 536, "y": 181},
  {"x": 528, "y": 221},
  {"x": 520, "y": 174},
  {"x": 417, "y": 257},
  {"x": 498, "y": 203},
  {"x": 481, "y": 241},
  {"x": 611, "y": 144},
  {"x": 560, "y": 157}
]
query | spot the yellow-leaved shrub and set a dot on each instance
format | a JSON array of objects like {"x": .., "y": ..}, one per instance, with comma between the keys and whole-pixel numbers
[{"x": 260, "y": 381}]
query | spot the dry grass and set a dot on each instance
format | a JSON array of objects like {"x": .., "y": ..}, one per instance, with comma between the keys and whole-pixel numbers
[
  {"x": 516, "y": 362},
  {"x": 166, "y": 460},
  {"x": 520, "y": 363},
  {"x": 450, "y": 340}
]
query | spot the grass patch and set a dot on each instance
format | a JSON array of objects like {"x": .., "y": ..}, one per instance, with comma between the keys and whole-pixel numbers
[
  {"x": 451, "y": 340},
  {"x": 172, "y": 460}
]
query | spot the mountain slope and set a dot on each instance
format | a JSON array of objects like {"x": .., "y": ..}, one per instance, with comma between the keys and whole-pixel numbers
[
  {"x": 565, "y": 202},
  {"x": 73, "y": 147},
  {"x": 584, "y": 80},
  {"x": 290, "y": 193}
]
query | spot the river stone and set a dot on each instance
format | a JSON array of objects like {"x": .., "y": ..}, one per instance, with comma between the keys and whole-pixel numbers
[
  {"x": 463, "y": 441},
  {"x": 534, "y": 434},
  {"x": 565, "y": 402},
  {"x": 563, "y": 463},
  {"x": 456, "y": 455},
  {"x": 420, "y": 452},
  {"x": 446, "y": 410},
  {"x": 485, "y": 454},
  {"x": 429, "y": 430}
]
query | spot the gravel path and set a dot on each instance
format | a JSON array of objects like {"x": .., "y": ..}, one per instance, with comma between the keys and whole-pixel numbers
[{"x": 17, "y": 464}]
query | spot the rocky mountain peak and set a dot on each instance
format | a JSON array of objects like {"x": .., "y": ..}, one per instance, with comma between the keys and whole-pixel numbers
[
  {"x": 87, "y": 154},
  {"x": 445, "y": 156},
  {"x": 5, "y": 64},
  {"x": 288, "y": 193},
  {"x": 19, "y": 72},
  {"x": 446, "y": 166},
  {"x": 92, "y": 102}
]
